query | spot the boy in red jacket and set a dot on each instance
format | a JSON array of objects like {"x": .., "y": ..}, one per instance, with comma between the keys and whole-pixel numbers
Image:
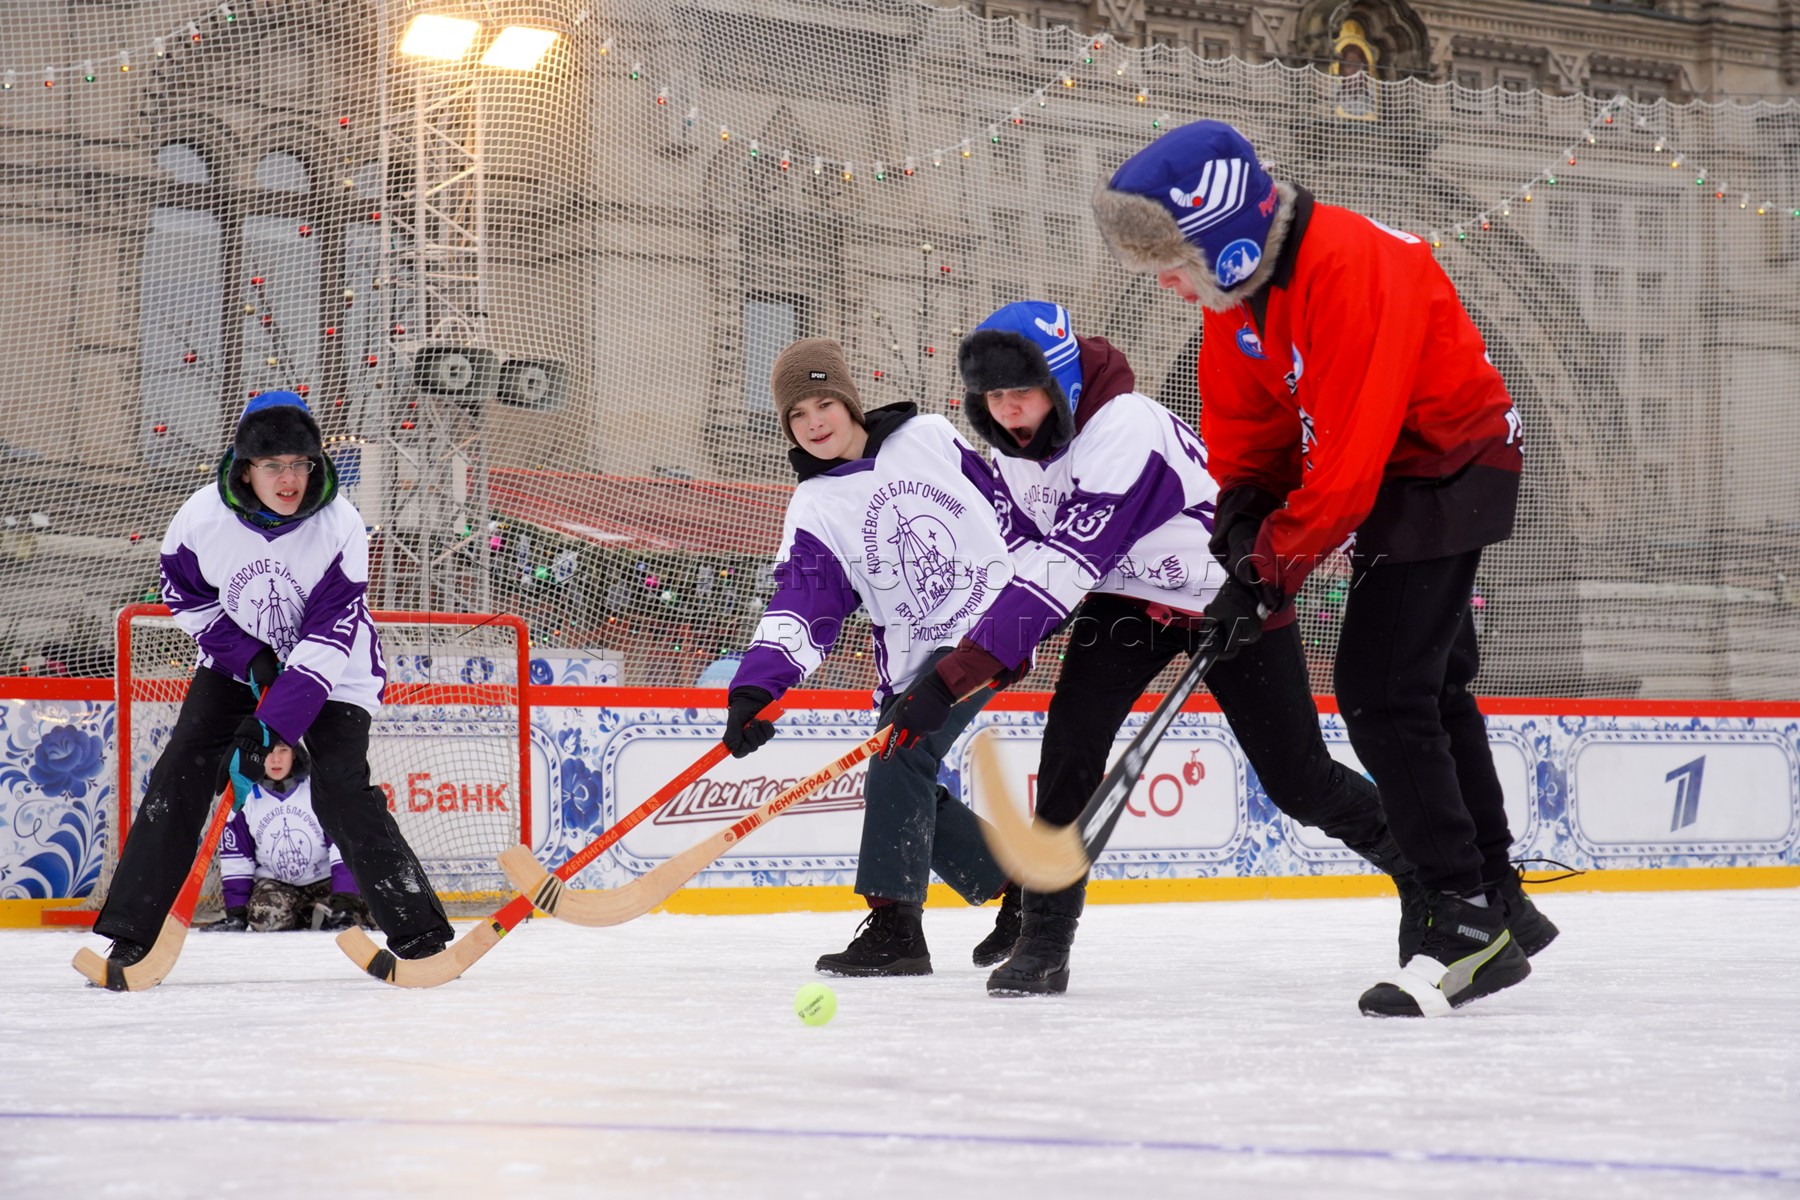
[{"x": 1346, "y": 394}]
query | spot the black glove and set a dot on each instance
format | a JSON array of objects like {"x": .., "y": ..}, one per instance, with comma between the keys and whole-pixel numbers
[
  {"x": 237, "y": 920},
  {"x": 922, "y": 711},
  {"x": 263, "y": 669},
  {"x": 1240, "y": 514},
  {"x": 745, "y": 732},
  {"x": 347, "y": 909},
  {"x": 1234, "y": 615},
  {"x": 242, "y": 765}
]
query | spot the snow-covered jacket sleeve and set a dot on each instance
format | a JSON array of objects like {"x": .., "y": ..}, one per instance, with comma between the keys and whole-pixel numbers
[
  {"x": 1124, "y": 488},
  {"x": 194, "y": 602},
  {"x": 336, "y": 608},
  {"x": 237, "y": 861},
  {"x": 813, "y": 596}
]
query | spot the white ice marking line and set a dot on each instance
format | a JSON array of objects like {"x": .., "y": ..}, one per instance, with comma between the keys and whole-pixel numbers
[{"x": 1789, "y": 1174}]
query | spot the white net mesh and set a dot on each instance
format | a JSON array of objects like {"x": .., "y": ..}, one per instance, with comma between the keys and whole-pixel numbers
[
  {"x": 446, "y": 746},
  {"x": 536, "y": 308}
]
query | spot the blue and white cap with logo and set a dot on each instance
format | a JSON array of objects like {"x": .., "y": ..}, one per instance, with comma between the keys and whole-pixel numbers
[
  {"x": 1047, "y": 326},
  {"x": 1206, "y": 177}
]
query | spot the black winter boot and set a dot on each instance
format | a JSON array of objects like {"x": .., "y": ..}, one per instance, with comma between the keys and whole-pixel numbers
[
  {"x": 1530, "y": 928},
  {"x": 997, "y": 946},
  {"x": 422, "y": 945},
  {"x": 1039, "y": 965},
  {"x": 126, "y": 953},
  {"x": 1467, "y": 952},
  {"x": 1415, "y": 897},
  {"x": 890, "y": 941}
]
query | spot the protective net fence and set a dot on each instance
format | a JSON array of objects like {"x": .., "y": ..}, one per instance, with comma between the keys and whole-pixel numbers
[{"x": 534, "y": 307}]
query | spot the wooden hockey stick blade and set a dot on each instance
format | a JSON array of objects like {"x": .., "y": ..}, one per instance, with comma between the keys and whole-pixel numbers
[
  {"x": 615, "y": 906},
  {"x": 1047, "y": 858},
  {"x": 467, "y": 950},
  {"x": 143, "y": 974},
  {"x": 1044, "y": 858},
  {"x": 442, "y": 967},
  {"x": 155, "y": 966}
]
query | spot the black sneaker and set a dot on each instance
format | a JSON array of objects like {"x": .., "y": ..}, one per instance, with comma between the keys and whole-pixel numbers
[
  {"x": 890, "y": 941},
  {"x": 1530, "y": 928},
  {"x": 1039, "y": 965},
  {"x": 997, "y": 946},
  {"x": 126, "y": 953},
  {"x": 1467, "y": 952}
]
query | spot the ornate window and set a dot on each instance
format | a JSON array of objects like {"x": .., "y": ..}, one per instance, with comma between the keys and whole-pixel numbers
[
  {"x": 180, "y": 349},
  {"x": 1353, "y": 63}
]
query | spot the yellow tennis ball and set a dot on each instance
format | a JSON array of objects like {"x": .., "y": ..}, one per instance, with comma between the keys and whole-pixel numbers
[{"x": 815, "y": 1004}]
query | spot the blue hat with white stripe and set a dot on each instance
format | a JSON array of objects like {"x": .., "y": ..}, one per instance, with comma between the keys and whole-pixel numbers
[
  {"x": 1206, "y": 181},
  {"x": 1030, "y": 343}
]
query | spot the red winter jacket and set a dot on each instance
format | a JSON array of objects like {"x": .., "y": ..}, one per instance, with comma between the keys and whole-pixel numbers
[{"x": 1365, "y": 399}]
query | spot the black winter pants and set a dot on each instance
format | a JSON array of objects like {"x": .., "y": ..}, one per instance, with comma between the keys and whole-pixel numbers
[
  {"x": 1404, "y": 664},
  {"x": 178, "y": 799},
  {"x": 1116, "y": 650}
]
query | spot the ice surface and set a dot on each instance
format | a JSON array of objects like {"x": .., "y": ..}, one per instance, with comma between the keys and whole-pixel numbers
[{"x": 1202, "y": 1049}]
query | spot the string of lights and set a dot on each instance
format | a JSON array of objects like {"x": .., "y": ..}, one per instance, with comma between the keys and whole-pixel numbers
[{"x": 123, "y": 61}]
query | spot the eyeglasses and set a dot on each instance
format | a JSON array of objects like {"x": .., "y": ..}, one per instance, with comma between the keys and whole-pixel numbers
[{"x": 275, "y": 470}]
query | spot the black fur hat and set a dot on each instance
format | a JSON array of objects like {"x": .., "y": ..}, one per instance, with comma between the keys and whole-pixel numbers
[
  {"x": 996, "y": 359},
  {"x": 274, "y": 424}
]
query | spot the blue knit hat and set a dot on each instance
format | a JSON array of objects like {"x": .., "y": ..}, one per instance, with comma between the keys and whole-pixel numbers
[
  {"x": 1196, "y": 196},
  {"x": 1030, "y": 343}
]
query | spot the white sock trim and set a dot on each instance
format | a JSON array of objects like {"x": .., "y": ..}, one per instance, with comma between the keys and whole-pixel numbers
[{"x": 1420, "y": 978}]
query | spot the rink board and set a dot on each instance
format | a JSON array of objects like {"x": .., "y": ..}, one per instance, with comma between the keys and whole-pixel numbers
[{"x": 1622, "y": 787}]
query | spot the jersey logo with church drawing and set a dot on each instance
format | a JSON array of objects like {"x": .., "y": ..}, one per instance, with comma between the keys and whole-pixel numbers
[
  {"x": 927, "y": 555},
  {"x": 266, "y": 594}
]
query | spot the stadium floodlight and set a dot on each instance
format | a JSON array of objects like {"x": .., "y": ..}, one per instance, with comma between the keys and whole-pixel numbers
[
  {"x": 519, "y": 48},
  {"x": 432, "y": 35}
]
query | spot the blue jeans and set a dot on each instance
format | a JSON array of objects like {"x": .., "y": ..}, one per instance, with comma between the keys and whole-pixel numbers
[{"x": 913, "y": 826}]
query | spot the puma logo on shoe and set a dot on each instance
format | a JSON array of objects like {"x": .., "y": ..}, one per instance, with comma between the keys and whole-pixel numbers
[{"x": 1480, "y": 935}]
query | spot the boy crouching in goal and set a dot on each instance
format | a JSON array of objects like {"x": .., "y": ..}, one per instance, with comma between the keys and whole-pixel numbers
[
  {"x": 278, "y": 868},
  {"x": 266, "y": 567},
  {"x": 892, "y": 511}
]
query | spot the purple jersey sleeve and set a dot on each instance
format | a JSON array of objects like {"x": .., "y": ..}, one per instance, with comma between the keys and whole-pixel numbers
[
  {"x": 194, "y": 602},
  {"x": 812, "y": 597},
  {"x": 341, "y": 878},
  {"x": 237, "y": 861},
  {"x": 335, "y": 613},
  {"x": 1092, "y": 532}
]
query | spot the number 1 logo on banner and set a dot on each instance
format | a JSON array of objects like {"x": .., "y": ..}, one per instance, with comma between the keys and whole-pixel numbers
[{"x": 1686, "y": 779}]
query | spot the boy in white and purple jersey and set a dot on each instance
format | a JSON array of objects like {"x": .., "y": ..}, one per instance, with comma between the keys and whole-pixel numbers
[
  {"x": 266, "y": 567},
  {"x": 278, "y": 868},
  {"x": 893, "y": 512}
]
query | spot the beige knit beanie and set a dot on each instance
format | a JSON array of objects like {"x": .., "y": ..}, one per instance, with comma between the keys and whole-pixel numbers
[{"x": 811, "y": 367}]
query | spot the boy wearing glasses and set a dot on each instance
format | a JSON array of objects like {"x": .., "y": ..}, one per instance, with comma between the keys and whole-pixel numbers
[{"x": 266, "y": 567}]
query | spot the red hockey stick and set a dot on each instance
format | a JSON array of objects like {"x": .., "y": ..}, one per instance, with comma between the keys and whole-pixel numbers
[{"x": 458, "y": 957}]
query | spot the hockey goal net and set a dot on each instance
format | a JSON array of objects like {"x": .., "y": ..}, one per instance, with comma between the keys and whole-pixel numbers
[{"x": 450, "y": 746}]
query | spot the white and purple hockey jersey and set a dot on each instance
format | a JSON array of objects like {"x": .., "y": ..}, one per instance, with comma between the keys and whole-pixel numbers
[
  {"x": 298, "y": 589},
  {"x": 910, "y": 532},
  {"x": 277, "y": 836},
  {"x": 1126, "y": 507}
]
